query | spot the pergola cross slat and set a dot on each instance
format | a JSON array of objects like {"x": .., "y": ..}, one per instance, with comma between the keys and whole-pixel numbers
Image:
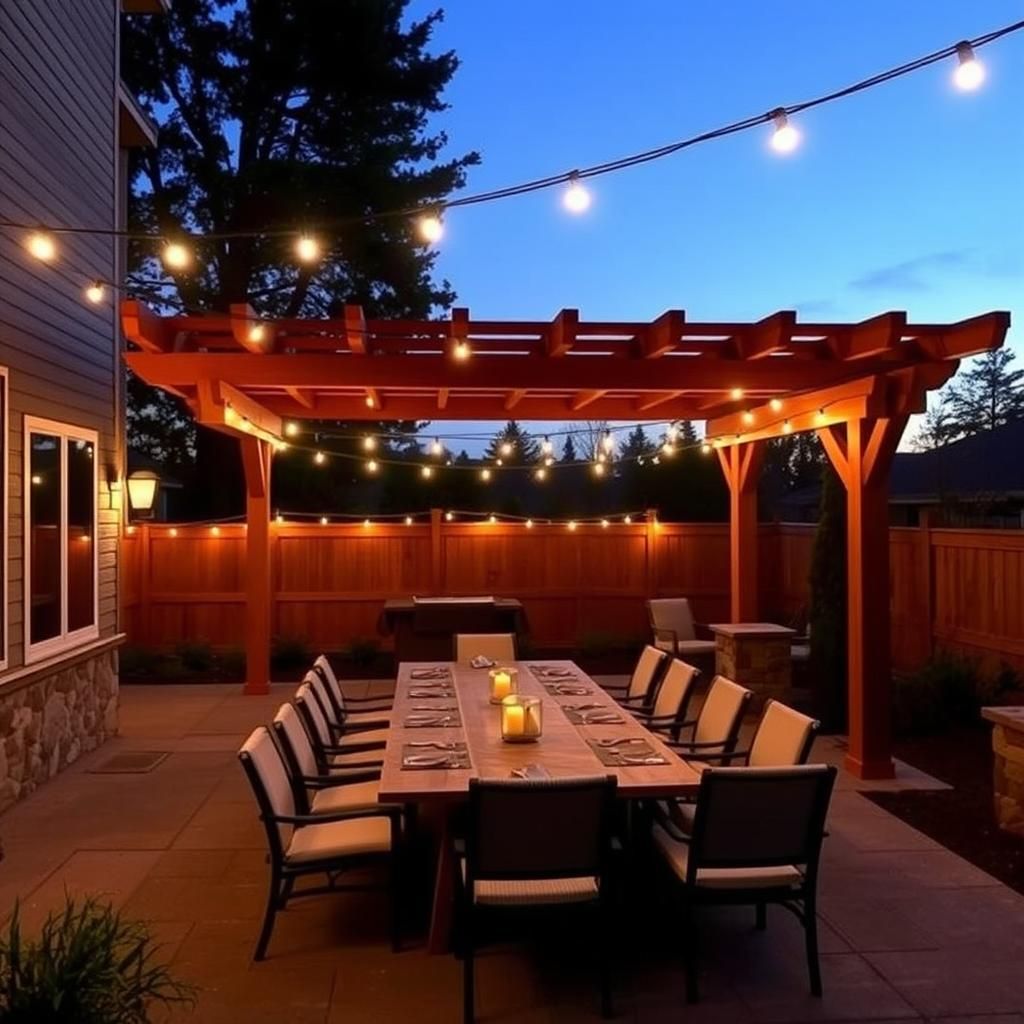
[{"x": 855, "y": 384}]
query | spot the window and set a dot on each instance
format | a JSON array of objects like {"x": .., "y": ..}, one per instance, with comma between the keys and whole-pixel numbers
[{"x": 60, "y": 547}]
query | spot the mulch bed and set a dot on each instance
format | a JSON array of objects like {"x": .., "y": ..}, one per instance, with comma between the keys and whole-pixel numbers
[{"x": 961, "y": 818}]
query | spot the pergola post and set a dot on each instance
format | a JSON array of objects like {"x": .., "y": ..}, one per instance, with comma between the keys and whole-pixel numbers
[
  {"x": 741, "y": 464},
  {"x": 256, "y": 457},
  {"x": 862, "y": 459}
]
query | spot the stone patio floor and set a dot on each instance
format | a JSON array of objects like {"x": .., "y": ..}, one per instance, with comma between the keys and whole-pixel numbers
[{"x": 909, "y": 931}]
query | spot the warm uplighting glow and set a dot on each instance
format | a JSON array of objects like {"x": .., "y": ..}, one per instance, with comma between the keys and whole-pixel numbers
[
  {"x": 307, "y": 248},
  {"x": 176, "y": 256},
  {"x": 775, "y": 404},
  {"x": 371, "y": 466},
  {"x": 430, "y": 227},
  {"x": 506, "y": 448},
  {"x": 970, "y": 72},
  {"x": 319, "y": 458},
  {"x": 215, "y": 530},
  {"x": 546, "y": 446},
  {"x": 291, "y": 429},
  {"x": 323, "y": 520},
  {"x": 821, "y": 414},
  {"x": 279, "y": 519},
  {"x": 41, "y": 246},
  {"x": 748, "y": 417},
  {"x": 541, "y": 473},
  {"x": 370, "y": 401},
  {"x": 408, "y": 520},
  {"x": 449, "y": 516},
  {"x": 492, "y": 519},
  {"x": 95, "y": 293},
  {"x": 736, "y": 394},
  {"x": 437, "y": 448},
  {"x": 785, "y": 138},
  {"x": 485, "y": 474},
  {"x": 598, "y": 469},
  {"x": 577, "y": 198},
  {"x": 173, "y": 531},
  {"x": 571, "y": 524},
  {"x": 462, "y": 351},
  {"x": 426, "y": 472},
  {"x": 608, "y": 441},
  {"x": 787, "y": 427}
]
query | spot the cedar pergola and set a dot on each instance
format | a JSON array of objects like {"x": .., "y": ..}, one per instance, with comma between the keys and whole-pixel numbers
[{"x": 854, "y": 384}]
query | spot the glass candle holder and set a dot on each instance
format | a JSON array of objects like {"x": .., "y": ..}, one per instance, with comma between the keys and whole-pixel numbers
[
  {"x": 504, "y": 683},
  {"x": 522, "y": 719}
]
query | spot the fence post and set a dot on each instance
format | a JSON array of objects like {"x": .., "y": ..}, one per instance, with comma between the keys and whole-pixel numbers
[
  {"x": 928, "y": 583},
  {"x": 144, "y": 570},
  {"x": 651, "y": 550},
  {"x": 436, "y": 553}
]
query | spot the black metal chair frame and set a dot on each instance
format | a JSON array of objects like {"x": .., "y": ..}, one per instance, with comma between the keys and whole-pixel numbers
[
  {"x": 382, "y": 704},
  {"x": 800, "y": 900},
  {"x": 468, "y": 909},
  {"x": 642, "y": 700},
  {"x": 333, "y": 713},
  {"x": 672, "y": 725},
  {"x": 705, "y": 750},
  {"x": 324, "y": 751},
  {"x": 283, "y": 876}
]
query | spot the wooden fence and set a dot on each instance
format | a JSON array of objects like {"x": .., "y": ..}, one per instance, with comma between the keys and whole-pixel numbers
[{"x": 961, "y": 589}]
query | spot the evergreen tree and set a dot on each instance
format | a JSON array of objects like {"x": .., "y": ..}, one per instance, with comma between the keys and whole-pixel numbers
[
  {"x": 636, "y": 445},
  {"x": 278, "y": 115},
  {"x": 513, "y": 445},
  {"x": 569, "y": 450}
]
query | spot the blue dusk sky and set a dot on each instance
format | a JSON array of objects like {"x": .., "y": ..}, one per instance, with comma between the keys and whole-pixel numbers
[{"x": 908, "y": 196}]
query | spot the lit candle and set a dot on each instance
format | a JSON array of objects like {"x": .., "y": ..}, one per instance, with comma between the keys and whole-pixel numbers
[
  {"x": 533, "y": 718},
  {"x": 501, "y": 685},
  {"x": 513, "y": 720}
]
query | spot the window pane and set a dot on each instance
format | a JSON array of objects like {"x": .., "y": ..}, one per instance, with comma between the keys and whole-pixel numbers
[
  {"x": 81, "y": 533},
  {"x": 44, "y": 505}
]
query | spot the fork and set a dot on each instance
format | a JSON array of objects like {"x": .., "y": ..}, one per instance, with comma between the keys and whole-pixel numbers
[
  {"x": 452, "y": 745},
  {"x": 615, "y": 743}
]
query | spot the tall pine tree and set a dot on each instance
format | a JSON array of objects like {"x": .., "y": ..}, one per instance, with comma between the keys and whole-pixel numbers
[{"x": 513, "y": 445}]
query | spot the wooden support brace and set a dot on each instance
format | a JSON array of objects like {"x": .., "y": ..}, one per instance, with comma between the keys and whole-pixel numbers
[{"x": 256, "y": 460}]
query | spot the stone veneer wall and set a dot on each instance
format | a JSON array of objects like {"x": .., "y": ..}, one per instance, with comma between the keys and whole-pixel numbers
[{"x": 45, "y": 725}]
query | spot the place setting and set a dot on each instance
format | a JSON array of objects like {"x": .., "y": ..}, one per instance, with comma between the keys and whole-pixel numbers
[
  {"x": 431, "y": 672},
  {"x": 441, "y": 718},
  {"x": 555, "y": 689},
  {"x": 592, "y": 714},
  {"x": 426, "y": 754},
  {"x": 543, "y": 672},
  {"x": 626, "y": 752}
]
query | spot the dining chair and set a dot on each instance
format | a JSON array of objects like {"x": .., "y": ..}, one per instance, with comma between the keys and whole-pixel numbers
[
  {"x": 536, "y": 843},
  {"x": 717, "y": 726},
  {"x": 317, "y": 792},
  {"x": 303, "y": 844},
  {"x": 668, "y": 712},
  {"x": 374, "y": 705},
  {"x": 756, "y": 839},
  {"x": 499, "y": 647},
  {"x": 639, "y": 690},
  {"x": 342, "y": 733},
  {"x": 673, "y": 627},
  {"x": 337, "y": 708},
  {"x": 331, "y": 758}
]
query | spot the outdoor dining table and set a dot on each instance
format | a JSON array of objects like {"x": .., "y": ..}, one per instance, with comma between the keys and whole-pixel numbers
[{"x": 562, "y": 750}]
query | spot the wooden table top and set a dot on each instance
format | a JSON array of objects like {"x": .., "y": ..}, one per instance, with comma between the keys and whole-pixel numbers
[
  {"x": 562, "y": 749},
  {"x": 751, "y": 629}
]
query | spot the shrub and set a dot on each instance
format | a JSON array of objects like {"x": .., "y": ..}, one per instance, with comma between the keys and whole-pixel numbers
[
  {"x": 90, "y": 965},
  {"x": 290, "y": 652},
  {"x": 137, "y": 661},
  {"x": 195, "y": 655},
  {"x": 597, "y": 643},
  {"x": 232, "y": 662},
  {"x": 362, "y": 651}
]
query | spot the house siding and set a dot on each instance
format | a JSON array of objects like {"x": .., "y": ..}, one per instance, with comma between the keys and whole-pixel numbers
[{"x": 59, "y": 164}]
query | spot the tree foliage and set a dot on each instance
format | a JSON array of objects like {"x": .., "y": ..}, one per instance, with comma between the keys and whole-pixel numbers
[{"x": 513, "y": 445}]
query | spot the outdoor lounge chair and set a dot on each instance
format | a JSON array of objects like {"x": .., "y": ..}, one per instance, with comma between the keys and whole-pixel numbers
[
  {"x": 536, "y": 843},
  {"x": 674, "y": 629},
  {"x": 332, "y": 759},
  {"x": 499, "y": 647},
  {"x": 357, "y": 708},
  {"x": 756, "y": 839},
  {"x": 303, "y": 844},
  {"x": 316, "y": 792},
  {"x": 668, "y": 712},
  {"x": 640, "y": 688}
]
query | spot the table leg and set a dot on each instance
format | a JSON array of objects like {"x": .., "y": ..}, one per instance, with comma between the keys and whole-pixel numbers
[{"x": 442, "y": 913}]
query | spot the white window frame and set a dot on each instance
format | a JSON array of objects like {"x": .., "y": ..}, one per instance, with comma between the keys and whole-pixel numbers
[
  {"x": 64, "y": 641},
  {"x": 5, "y": 567}
]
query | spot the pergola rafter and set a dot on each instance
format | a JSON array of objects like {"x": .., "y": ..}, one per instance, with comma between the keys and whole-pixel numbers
[{"x": 855, "y": 384}]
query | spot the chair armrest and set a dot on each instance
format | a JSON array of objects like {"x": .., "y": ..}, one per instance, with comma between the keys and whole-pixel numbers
[
  {"x": 695, "y": 746},
  {"x": 727, "y": 758},
  {"x": 654, "y": 719},
  {"x": 361, "y": 748},
  {"x": 351, "y": 729},
  {"x": 631, "y": 700},
  {"x": 360, "y": 764},
  {"x": 702, "y": 631},
  {"x": 671, "y": 635},
  {"x": 673, "y": 829},
  {"x": 389, "y": 700},
  {"x": 332, "y": 781},
  {"x": 300, "y": 820},
  {"x": 612, "y": 687}
]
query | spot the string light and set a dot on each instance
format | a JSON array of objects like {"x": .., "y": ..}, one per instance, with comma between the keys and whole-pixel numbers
[
  {"x": 307, "y": 248},
  {"x": 785, "y": 138},
  {"x": 970, "y": 72},
  {"x": 506, "y": 448},
  {"x": 367, "y": 524},
  {"x": 280, "y": 446},
  {"x": 787, "y": 427},
  {"x": 600, "y": 457},
  {"x": 608, "y": 441},
  {"x": 291, "y": 429},
  {"x": 775, "y": 404},
  {"x": 370, "y": 402},
  {"x": 369, "y": 443},
  {"x": 541, "y": 473},
  {"x": 666, "y": 449},
  {"x": 176, "y": 256},
  {"x": 257, "y": 334},
  {"x": 498, "y": 462},
  {"x": 529, "y": 524},
  {"x": 748, "y": 417},
  {"x": 546, "y": 446},
  {"x": 449, "y": 516},
  {"x": 671, "y": 433},
  {"x": 173, "y": 531},
  {"x": 279, "y": 519},
  {"x": 485, "y": 475},
  {"x": 408, "y": 520},
  {"x": 95, "y": 292},
  {"x": 323, "y": 520},
  {"x": 705, "y": 449},
  {"x": 492, "y": 519},
  {"x": 627, "y": 520},
  {"x": 736, "y": 394},
  {"x": 426, "y": 472},
  {"x": 371, "y": 466},
  {"x": 41, "y": 246},
  {"x": 604, "y": 524},
  {"x": 549, "y": 461},
  {"x": 598, "y": 469},
  {"x": 462, "y": 351},
  {"x": 319, "y": 458},
  {"x": 431, "y": 228},
  {"x": 577, "y": 198},
  {"x": 571, "y": 524},
  {"x": 215, "y": 530},
  {"x": 437, "y": 448}
]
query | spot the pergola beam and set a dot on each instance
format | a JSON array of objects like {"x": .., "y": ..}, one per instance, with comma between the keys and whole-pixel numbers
[{"x": 251, "y": 333}]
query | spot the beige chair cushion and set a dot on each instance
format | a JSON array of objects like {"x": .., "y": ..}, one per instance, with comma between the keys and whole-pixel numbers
[
  {"x": 359, "y": 796},
  {"x": 674, "y": 688},
  {"x": 780, "y": 737},
  {"x": 677, "y": 853},
  {"x": 721, "y": 706},
  {"x": 647, "y": 665},
  {"x": 512, "y": 892},
  {"x": 369, "y": 736},
  {"x": 339, "y": 839},
  {"x": 376, "y": 719},
  {"x": 357, "y": 756},
  {"x": 500, "y": 647}
]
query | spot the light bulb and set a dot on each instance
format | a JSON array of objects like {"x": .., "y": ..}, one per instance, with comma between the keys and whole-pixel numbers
[
  {"x": 506, "y": 448},
  {"x": 370, "y": 401},
  {"x": 571, "y": 524},
  {"x": 279, "y": 519},
  {"x": 785, "y": 138},
  {"x": 426, "y": 472},
  {"x": 41, "y": 246},
  {"x": 430, "y": 227},
  {"x": 371, "y": 466},
  {"x": 705, "y": 449},
  {"x": 736, "y": 394},
  {"x": 323, "y": 520},
  {"x": 462, "y": 351},
  {"x": 598, "y": 469},
  {"x": 319, "y": 458},
  {"x": 369, "y": 443},
  {"x": 280, "y": 446},
  {"x": 608, "y": 441},
  {"x": 437, "y": 448},
  {"x": 787, "y": 427},
  {"x": 95, "y": 293},
  {"x": 604, "y": 524},
  {"x": 601, "y": 457},
  {"x": 498, "y": 462},
  {"x": 176, "y": 256},
  {"x": 627, "y": 520},
  {"x": 529, "y": 524},
  {"x": 485, "y": 474},
  {"x": 307, "y": 248},
  {"x": 970, "y": 72},
  {"x": 291, "y": 429},
  {"x": 549, "y": 461},
  {"x": 215, "y": 530},
  {"x": 748, "y": 416},
  {"x": 492, "y": 519},
  {"x": 173, "y": 531},
  {"x": 541, "y": 473},
  {"x": 408, "y": 520},
  {"x": 257, "y": 334},
  {"x": 667, "y": 449},
  {"x": 449, "y": 516},
  {"x": 775, "y": 404},
  {"x": 576, "y": 198},
  {"x": 546, "y": 446},
  {"x": 367, "y": 524}
]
